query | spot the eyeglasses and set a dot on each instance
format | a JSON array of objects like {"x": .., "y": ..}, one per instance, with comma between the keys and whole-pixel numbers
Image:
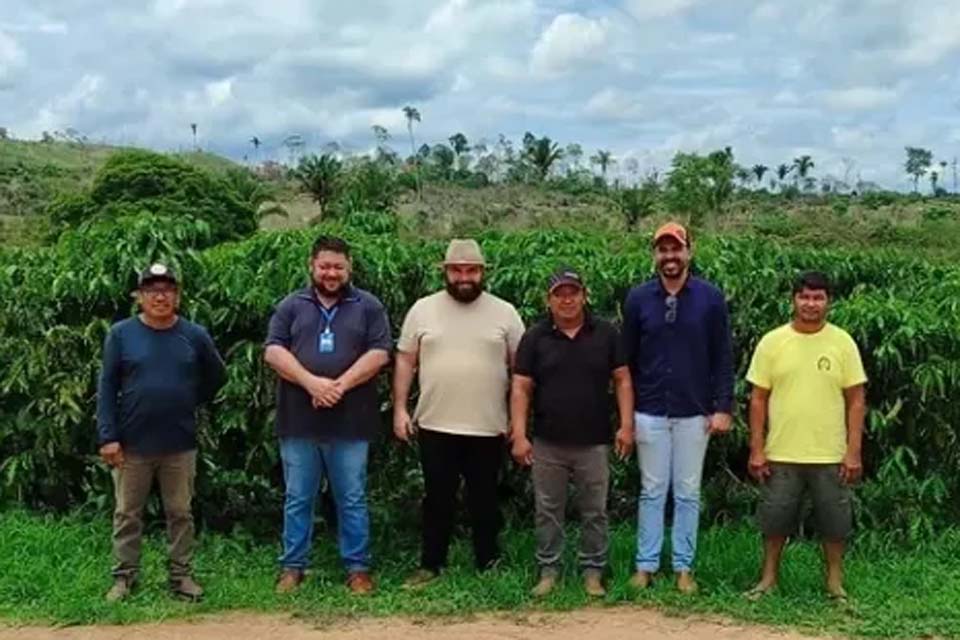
[
  {"x": 670, "y": 315},
  {"x": 156, "y": 291}
]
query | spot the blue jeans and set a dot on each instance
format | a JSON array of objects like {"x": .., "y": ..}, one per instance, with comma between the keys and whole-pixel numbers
[
  {"x": 670, "y": 452},
  {"x": 344, "y": 462}
]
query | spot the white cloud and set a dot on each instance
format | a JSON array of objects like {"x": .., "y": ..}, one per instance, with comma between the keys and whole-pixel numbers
[
  {"x": 12, "y": 56},
  {"x": 58, "y": 112},
  {"x": 613, "y": 104},
  {"x": 840, "y": 78},
  {"x": 650, "y": 9},
  {"x": 853, "y": 138},
  {"x": 860, "y": 98},
  {"x": 219, "y": 92},
  {"x": 786, "y": 97},
  {"x": 767, "y": 11},
  {"x": 569, "y": 41},
  {"x": 934, "y": 30}
]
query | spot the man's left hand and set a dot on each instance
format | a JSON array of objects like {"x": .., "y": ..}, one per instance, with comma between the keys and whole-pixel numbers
[
  {"x": 851, "y": 468},
  {"x": 624, "y": 441},
  {"x": 719, "y": 423}
]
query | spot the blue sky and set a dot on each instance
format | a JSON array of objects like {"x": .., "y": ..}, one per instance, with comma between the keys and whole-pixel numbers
[{"x": 849, "y": 82}]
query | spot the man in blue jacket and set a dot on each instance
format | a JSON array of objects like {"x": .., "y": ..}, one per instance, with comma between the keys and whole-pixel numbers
[
  {"x": 677, "y": 337},
  {"x": 157, "y": 368}
]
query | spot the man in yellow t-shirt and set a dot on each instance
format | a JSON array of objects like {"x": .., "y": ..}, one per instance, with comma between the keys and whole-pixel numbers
[{"x": 808, "y": 388}]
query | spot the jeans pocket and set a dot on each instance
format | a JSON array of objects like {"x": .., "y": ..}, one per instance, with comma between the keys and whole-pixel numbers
[{"x": 643, "y": 429}]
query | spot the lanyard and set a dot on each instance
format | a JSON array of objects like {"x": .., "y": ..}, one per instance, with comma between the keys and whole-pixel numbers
[{"x": 328, "y": 317}]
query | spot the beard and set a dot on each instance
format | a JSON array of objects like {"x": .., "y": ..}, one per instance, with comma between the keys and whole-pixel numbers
[
  {"x": 465, "y": 292},
  {"x": 670, "y": 268},
  {"x": 324, "y": 288}
]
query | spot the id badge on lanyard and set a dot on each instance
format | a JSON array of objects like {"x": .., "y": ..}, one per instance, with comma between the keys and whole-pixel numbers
[{"x": 326, "y": 342}]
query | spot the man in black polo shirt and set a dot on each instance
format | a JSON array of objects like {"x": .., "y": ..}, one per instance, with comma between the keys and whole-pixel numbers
[
  {"x": 565, "y": 365},
  {"x": 327, "y": 342}
]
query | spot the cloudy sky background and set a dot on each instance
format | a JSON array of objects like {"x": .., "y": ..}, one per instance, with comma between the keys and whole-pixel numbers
[{"x": 855, "y": 79}]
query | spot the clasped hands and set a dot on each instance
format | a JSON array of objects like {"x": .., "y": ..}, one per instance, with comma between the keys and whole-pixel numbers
[{"x": 324, "y": 392}]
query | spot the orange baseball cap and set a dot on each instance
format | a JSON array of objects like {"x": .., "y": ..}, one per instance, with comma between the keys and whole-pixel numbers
[{"x": 672, "y": 230}]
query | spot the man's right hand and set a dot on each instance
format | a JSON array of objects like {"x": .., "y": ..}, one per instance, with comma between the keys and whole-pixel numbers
[
  {"x": 758, "y": 466},
  {"x": 522, "y": 451},
  {"x": 324, "y": 391},
  {"x": 112, "y": 454},
  {"x": 402, "y": 425}
]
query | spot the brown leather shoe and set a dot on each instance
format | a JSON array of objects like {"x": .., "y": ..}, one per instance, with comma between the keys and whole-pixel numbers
[
  {"x": 685, "y": 583},
  {"x": 360, "y": 583},
  {"x": 640, "y": 580},
  {"x": 289, "y": 581}
]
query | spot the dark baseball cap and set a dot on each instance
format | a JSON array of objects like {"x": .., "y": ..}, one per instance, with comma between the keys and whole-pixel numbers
[
  {"x": 157, "y": 271},
  {"x": 565, "y": 275}
]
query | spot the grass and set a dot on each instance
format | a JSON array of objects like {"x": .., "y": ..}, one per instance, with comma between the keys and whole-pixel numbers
[{"x": 55, "y": 571}]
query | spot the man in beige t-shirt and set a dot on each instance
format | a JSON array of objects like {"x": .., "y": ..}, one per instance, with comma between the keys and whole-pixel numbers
[{"x": 463, "y": 341}]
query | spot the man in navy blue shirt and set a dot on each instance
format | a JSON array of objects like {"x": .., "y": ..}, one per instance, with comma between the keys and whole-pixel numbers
[
  {"x": 677, "y": 337},
  {"x": 157, "y": 368},
  {"x": 327, "y": 342}
]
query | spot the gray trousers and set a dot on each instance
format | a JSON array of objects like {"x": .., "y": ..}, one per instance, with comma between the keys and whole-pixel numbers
[
  {"x": 587, "y": 467},
  {"x": 175, "y": 474}
]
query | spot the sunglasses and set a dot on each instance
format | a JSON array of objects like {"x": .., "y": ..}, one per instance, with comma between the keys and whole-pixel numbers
[{"x": 670, "y": 315}]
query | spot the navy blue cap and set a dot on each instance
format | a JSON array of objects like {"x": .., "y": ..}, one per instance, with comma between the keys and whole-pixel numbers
[{"x": 565, "y": 275}]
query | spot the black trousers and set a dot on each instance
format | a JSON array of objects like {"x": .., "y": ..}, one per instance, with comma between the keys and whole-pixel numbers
[{"x": 445, "y": 459}]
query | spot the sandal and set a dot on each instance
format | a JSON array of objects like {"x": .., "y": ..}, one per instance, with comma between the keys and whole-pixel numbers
[{"x": 757, "y": 593}]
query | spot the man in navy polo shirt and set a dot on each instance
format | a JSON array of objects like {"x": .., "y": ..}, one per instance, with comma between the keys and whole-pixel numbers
[
  {"x": 677, "y": 335},
  {"x": 327, "y": 342}
]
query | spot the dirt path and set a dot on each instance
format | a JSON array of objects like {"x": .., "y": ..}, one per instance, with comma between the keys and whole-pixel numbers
[{"x": 608, "y": 624}]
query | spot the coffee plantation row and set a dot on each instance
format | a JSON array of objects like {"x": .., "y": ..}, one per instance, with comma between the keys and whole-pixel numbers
[{"x": 60, "y": 300}]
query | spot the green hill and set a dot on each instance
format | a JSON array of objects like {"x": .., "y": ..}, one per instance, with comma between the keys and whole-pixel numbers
[{"x": 32, "y": 174}]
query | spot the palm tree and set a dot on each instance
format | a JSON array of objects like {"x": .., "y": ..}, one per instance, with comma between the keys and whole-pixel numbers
[
  {"x": 460, "y": 145},
  {"x": 782, "y": 172},
  {"x": 541, "y": 153},
  {"x": 318, "y": 176},
  {"x": 604, "y": 159},
  {"x": 412, "y": 114},
  {"x": 255, "y": 141},
  {"x": 759, "y": 170},
  {"x": 742, "y": 175},
  {"x": 803, "y": 164},
  {"x": 193, "y": 127}
]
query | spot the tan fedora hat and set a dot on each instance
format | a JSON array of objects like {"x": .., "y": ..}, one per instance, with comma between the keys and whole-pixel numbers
[{"x": 464, "y": 252}]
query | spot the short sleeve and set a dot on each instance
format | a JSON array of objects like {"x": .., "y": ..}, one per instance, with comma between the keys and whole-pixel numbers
[
  {"x": 378, "y": 327},
  {"x": 759, "y": 374},
  {"x": 412, "y": 329},
  {"x": 281, "y": 323},
  {"x": 526, "y": 360},
  {"x": 618, "y": 350},
  {"x": 515, "y": 330},
  {"x": 853, "y": 372}
]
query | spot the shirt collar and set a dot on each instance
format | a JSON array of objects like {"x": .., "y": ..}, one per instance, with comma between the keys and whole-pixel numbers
[
  {"x": 588, "y": 323},
  {"x": 663, "y": 291},
  {"x": 350, "y": 294}
]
